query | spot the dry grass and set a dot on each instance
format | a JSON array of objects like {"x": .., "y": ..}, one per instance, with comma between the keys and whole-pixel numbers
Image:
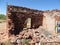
[
  {"x": 3, "y": 27},
  {"x": 1, "y": 21}
]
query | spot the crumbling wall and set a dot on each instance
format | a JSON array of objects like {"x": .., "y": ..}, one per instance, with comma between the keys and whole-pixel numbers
[
  {"x": 49, "y": 20},
  {"x": 17, "y": 16}
]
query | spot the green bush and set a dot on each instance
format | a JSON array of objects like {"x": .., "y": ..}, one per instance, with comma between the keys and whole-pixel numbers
[
  {"x": 26, "y": 41},
  {"x": 2, "y": 17}
]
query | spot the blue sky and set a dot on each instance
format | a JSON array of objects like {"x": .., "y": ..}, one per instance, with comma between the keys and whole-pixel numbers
[{"x": 33, "y": 4}]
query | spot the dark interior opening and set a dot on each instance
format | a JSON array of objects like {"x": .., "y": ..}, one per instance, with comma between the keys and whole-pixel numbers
[
  {"x": 18, "y": 25},
  {"x": 18, "y": 21}
]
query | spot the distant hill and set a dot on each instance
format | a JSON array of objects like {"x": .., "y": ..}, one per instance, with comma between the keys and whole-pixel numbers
[{"x": 2, "y": 17}]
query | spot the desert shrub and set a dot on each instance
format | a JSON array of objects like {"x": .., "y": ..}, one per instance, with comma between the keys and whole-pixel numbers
[
  {"x": 2, "y": 17},
  {"x": 26, "y": 41}
]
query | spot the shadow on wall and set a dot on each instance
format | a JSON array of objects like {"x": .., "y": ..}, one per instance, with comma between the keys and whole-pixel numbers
[
  {"x": 19, "y": 22},
  {"x": 18, "y": 25}
]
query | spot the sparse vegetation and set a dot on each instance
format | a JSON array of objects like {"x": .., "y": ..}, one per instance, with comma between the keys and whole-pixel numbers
[
  {"x": 2, "y": 22},
  {"x": 26, "y": 41},
  {"x": 2, "y": 17}
]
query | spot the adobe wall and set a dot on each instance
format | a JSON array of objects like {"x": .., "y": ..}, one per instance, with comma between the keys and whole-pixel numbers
[
  {"x": 49, "y": 20},
  {"x": 49, "y": 23},
  {"x": 17, "y": 16}
]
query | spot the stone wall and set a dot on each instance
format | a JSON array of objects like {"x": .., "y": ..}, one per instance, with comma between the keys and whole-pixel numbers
[
  {"x": 49, "y": 23},
  {"x": 49, "y": 20},
  {"x": 43, "y": 25},
  {"x": 17, "y": 16}
]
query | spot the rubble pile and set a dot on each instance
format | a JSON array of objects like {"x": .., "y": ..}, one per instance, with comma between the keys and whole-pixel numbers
[
  {"x": 35, "y": 36},
  {"x": 3, "y": 36},
  {"x": 17, "y": 20}
]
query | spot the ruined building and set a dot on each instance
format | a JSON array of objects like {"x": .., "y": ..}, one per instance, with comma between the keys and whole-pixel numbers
[{"x": 20, "y": 19}]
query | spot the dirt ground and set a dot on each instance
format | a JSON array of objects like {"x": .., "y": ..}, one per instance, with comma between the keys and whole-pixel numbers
[
  {"x": 3, "y": 27},
  {"x": 3, "y": 34}
]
